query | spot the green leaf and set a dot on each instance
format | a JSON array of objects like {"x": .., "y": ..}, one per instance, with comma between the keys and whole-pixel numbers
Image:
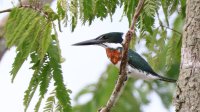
[
  {"x": 45, "y": 78},
  {"x": 61, "y": 92},
  {"x": 37, "y": 106},
  {"x": 183, "y": 7},
  {"x": 173, "y": 6},
  {"x": 17, "y": 64},
  {"x": 165, "y": 5},
  {"x": 25, "y": 48},
  {"x": 50, "y": 14},
  {"x": 23, "y": 23},
  {"x": 100, "y": 9},
  {"x": 49, "y": 106},
  {"x": 129, "y": 8},
  {"x": 74, "y": 13},
  {"x": 61, "y": 8},
  {"x": 88, "y": 11},
  {"x": 150, "y": 7},
  {"x": 31, "y": 88},
  {"x": 74, "y": 23},
  {"x": 44, "y": 40}
]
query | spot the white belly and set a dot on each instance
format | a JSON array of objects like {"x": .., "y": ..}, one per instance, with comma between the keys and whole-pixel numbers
[{"x": 135, "y": 73}]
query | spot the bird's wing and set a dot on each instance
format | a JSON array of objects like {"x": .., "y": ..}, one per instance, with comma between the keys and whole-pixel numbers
[{"x": 136, "y": 61}]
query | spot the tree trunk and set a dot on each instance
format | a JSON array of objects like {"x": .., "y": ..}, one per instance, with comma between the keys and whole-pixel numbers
[{"x": 187, "y": 97}]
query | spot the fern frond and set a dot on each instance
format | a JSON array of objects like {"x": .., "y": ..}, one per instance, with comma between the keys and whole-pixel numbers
[
  {"x": 32, "y": 88},
  {"x": 62, "y": 93},
  {"x": 44, "y": 40},
  {"x": 27, "y": 40},
  {"x": 45, "y": 78},
  {"x": 146, "y": 20},
  {"x": 21, "y": 28},
  {"x": 59, "y": 108},
  {"x": 25, "y": 48},
  {"x": 173, "y": 6},
  {"x": 150, "y": 7},
  {"x": 165, "y": 6},
  {"x": 17, "y": 64},
  {"x": 30, "y": 31},
  {"x": 129, "y": 8},
  {"x": 100, "y": 9},
  {"x": 61, "y": 8},
  {"x": 37, "y": 106},
  {"x": 172, "y": 46},
  {"x": 111, "y": 6},
  {"x": 49, "y": 13},
  {"x": 173, "y": 53},
  {"x": 50, "y": 102},
  {"x": 74, "y": 13},
  {"x": 14, "y": 19},
  {"x": 88, "y": 11}
]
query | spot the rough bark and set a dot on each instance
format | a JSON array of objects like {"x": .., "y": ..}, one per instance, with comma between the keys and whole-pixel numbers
[
  {"x": 3, "y": 48},
  {"x": 187, "y": 97}
]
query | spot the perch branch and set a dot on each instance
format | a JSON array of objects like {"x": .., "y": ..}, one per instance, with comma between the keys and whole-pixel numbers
[{"x": 123, "y": 75}]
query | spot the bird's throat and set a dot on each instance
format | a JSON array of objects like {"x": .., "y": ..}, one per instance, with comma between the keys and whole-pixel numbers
[{"x": 114, "y": 55}]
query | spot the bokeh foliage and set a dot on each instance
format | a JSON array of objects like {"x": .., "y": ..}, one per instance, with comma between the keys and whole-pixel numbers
[
  {"x": 30, "y": 30},
  {"x": 162, "y": 43}
]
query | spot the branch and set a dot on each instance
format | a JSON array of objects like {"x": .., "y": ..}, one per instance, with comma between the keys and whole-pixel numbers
[
  {"x": 7, "y": 10},
  {"x": 123, "y": 75},
  {"x": 23, "y": 6}
]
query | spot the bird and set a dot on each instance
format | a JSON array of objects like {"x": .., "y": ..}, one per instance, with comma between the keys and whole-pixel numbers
[{"x": 137, "y": 66}]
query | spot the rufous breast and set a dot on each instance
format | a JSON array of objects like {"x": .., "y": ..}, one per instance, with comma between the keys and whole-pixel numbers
[{"x": 114, "y": 55}]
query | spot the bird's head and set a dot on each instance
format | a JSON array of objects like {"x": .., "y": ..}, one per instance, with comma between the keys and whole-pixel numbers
[{"x": 108, "y": 40}]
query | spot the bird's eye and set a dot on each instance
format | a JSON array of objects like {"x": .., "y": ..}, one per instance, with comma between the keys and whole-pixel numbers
[{"x": 104, "y": 37}]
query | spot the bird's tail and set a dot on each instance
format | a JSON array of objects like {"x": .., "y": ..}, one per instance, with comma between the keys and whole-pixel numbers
[{"x": 167, "y": 79}]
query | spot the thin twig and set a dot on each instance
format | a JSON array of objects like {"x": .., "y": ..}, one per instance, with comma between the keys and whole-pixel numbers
[
  {"x": 160, "y": 22},
  {"x": 7, "y": 10},
  {"x": 171, "y": 29},
  {"x": 10, "y": 9},
  {"x": 161, "y": 25},
  {"x": 123, "y": 75},
  {"x": 45, "y": 14}
]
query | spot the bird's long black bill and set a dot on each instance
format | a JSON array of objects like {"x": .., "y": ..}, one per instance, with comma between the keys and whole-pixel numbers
[{"x": 89, "y": 42}]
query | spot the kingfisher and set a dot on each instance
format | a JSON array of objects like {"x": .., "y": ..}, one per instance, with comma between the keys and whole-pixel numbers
[{"x": 137, "y": 66}]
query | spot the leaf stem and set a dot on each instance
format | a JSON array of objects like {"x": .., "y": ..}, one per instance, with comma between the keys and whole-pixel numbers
[
  {"x": 6, "y": 10},
  {"x": 39, "y": 10},
  {"x": 171, "y": 29}
]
